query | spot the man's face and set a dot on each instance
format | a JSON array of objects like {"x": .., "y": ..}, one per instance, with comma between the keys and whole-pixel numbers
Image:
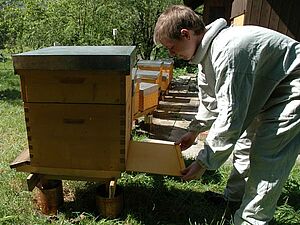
[{"x": 183, "y": 48}]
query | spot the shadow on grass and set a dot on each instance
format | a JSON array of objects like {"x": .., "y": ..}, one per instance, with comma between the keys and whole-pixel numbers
[
  {"x": 162, "y": 205},
  {"x": 84, "y": 202},
  {"x": 158, "y": 203},
  {"x": 10, "y": 95},
  {"x": 154, "y": 204},
  {"x": 288, "y": 205}
]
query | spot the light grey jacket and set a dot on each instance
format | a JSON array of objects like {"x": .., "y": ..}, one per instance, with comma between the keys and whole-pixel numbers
[{"x": 239, "y": 69}]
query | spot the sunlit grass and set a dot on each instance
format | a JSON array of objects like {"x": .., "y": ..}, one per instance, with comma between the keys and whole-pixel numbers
[{"x": 149, "y": 199}]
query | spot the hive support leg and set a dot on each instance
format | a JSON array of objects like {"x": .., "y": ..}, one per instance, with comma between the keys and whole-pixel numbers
[
  {"x": 33, "y": 180},
  {"x": 148, "y": 119},
  {"x": 49, "y": 196},
  {"x": 110, "y": 199},
  {"x": 162, "y": 96}
]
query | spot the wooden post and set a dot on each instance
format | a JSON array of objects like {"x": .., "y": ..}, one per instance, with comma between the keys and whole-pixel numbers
[{"x": 49, "y": 196}]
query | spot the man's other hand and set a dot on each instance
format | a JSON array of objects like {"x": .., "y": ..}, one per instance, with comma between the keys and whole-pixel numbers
[
  {"x": 186, "y": 140},
  {"x": 193, "y": 171}
]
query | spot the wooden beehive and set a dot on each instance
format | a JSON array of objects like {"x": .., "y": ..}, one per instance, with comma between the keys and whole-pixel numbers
[
  {"x": 77, "y": 103},
  {"x": 282, "y": 16},
  {"x": 149, "y": 76},
  {"x": 154, "y": 65},
  {"x": 149, "y": 94}
]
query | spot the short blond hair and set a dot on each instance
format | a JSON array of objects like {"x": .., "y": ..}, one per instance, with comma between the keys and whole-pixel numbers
[{"x": 175, "y": 18}]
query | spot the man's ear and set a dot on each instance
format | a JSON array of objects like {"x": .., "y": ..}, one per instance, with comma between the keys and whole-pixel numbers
[{"x": 185, "y": 33}]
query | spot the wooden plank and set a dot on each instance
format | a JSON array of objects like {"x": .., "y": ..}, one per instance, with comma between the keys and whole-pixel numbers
[
  {"x": 283, "y": 12},
  {"x": 274, "y": 17},
  {"x": 238, "y": 8},
  {"x": 112, "y": 189},
  {"x": 180, "y": 157},
  {"x": 265, "y": 14},
  {"x": 78, "y": 136},
  {"x": 72, "y": 174},
  {"x": 293, "y": 23},
  {"x": 22, "y": 159},
  {"x": 239, "y": 21},
  {"x": 248, "y": 12},
  {"x": 255, "y": 12},
  {"x": 154, "y": 158}
]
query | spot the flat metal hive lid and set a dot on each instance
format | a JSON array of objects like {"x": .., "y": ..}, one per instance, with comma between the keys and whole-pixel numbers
[
  {"x": 119, "y": 58},
  {"x": 150, "y": 63},
  {"x": 148, "y": 74}
]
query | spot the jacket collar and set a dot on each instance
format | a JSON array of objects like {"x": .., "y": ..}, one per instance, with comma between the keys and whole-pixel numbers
[{"x": 211, "y": 31}]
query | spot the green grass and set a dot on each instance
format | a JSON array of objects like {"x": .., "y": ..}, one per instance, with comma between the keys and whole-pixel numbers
[{"x": 149, "y": 199}]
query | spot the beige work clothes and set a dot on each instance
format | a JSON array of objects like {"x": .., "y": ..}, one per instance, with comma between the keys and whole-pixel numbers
[{"x": 250, "y": 82}]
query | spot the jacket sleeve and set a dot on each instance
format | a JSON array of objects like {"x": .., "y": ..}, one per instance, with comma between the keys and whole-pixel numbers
[
  {"x": 234, "y": 84},
  {"x": 207, "y": 109}
]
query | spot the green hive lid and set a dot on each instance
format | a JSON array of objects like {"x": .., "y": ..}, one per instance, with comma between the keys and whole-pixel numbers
[{"x": 119, "y": 58}]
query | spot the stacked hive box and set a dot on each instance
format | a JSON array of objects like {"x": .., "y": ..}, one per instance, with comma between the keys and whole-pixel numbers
[
  {"x": 150, "y": 71},
  {"x": 77, "y": 103},
  {"x": 149, "y": 94},
  {"x": 154, "y": 65},
  {"x": 150, "y": 76},
  {"x": 149, "y": 86}
]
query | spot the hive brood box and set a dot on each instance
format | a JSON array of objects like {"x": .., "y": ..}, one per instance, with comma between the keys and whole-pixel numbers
[
  {"x": 149, "y": 76},
  {"x": 149, "y": 94},
  {"x": 154, "y": 65},
  {"x": 77, "y": 103}
]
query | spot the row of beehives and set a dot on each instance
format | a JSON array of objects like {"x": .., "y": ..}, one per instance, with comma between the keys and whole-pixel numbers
[{"x": 151, "y": 81}]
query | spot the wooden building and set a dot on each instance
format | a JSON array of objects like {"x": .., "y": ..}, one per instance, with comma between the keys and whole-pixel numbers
[
  {"x": 214, "y": 9},
  {"x": 279, "y": 15}
]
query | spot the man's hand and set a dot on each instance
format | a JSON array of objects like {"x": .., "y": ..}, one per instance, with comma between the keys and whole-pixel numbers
[
  {"x": 193, "y": 171},
  {"x": 186, "y": 140}
]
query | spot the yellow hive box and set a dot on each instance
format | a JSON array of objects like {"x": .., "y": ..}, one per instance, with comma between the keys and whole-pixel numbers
[
  {"x": 154, "y": 65},
  {"x": 149, "y": 76},
  {"x": 149, "y": 94}
]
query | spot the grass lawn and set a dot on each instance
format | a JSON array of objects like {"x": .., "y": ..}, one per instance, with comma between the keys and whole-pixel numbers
[{"x": 149, "y": 199}]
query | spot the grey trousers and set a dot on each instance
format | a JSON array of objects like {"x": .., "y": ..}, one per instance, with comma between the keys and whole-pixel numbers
[{"x": 265, "y": 155}]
